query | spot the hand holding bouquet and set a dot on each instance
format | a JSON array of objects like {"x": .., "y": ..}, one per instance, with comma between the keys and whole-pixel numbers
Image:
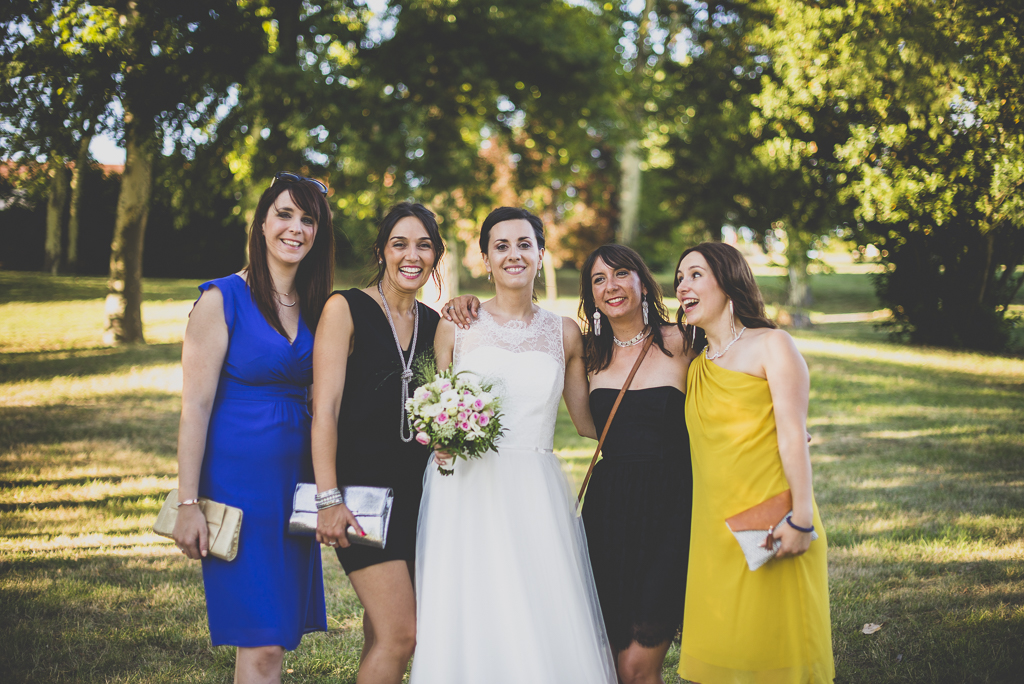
[{"x": 457, "y": 414}]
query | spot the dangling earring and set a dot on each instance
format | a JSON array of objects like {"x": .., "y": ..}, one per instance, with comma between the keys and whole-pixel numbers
[
  {"x": 645, "y": 311},
  {"x": 380, "y": 261},
  {"x": 597, "y": 323},
  {"x": 488, "y": 276},
  {"x": 732, "y": 319},
  {"x": 693, "y": 339}
]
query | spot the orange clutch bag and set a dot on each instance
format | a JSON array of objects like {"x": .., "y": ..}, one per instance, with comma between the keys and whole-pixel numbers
[{"x": 750, "y": 528}]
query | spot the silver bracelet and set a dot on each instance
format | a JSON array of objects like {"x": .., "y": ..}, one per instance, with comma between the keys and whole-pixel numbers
[
  {"x": 328, "y": 499},
  {"x": 186, "y": 502}
]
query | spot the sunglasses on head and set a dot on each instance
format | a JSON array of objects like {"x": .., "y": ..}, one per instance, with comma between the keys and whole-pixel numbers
[{"x": 284, "y": 175}]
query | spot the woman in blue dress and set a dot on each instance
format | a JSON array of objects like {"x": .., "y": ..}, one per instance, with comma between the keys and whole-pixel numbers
[{"x": 243, "y": 440}]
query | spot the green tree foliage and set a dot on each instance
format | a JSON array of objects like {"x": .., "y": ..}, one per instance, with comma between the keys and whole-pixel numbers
[
  {"x": 176, "y": 61},
  {"x": 932, "y": 156},
  {"x": 55, "y": 82}
]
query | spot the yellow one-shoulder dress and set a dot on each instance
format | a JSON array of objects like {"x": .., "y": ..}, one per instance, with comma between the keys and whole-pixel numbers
[{"x": 769, "y": 626}]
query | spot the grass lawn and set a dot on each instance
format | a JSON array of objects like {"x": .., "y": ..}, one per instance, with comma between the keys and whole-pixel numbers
[{"x": 919, "y": 474}]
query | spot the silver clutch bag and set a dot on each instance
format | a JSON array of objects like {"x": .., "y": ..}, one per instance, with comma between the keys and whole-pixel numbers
[{"x": 370, "y": 505}]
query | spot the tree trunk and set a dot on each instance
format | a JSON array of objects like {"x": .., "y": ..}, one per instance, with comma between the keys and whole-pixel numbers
[
  {"x": 450, "y": 287},
  {"x": 71, "y": 259},
  {"x": 550, "y": 275},
  {"x": 124, "y": 289},
  {"x": 629, "y": 195},
  {"x": 799, "y": 281},
  {"x": 56, "y": 207}
]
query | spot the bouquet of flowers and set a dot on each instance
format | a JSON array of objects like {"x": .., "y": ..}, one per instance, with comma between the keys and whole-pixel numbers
[{"x": 456, "y": 412}]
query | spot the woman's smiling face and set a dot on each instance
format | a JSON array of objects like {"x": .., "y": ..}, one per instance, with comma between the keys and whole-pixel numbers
[
  {"x": 617, "y": 291},
  {"x": 288, "y": 230},
  {"x": 513, "y": 256},
  {"x": 408, "y": 255},
  {"x": 697, "y": 290}
]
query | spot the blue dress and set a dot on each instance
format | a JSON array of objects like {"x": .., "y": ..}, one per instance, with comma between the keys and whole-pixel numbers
[{"x": 257, "y": 449}]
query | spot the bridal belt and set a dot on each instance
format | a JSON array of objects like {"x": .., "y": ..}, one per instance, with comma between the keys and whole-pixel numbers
[{"x": 503, "y": 448}]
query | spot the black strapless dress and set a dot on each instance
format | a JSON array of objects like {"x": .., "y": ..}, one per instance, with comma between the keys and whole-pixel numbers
[{"x": 637, "y": 514}]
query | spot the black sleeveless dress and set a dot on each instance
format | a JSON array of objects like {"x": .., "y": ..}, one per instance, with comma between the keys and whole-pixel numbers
[
  {"x": 637, "y": 514},
  {"x": 370, "y": 450}
]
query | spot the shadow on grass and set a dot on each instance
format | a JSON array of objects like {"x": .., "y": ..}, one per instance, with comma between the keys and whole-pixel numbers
[
  {"x": 137, "y": 502},
  {"x": 23, "y": 366},
  {"x": 25, "y": 286},
  {"x": 141, "y": 421},
  {"x": 88, "y": 615},
  {"x": 105, "y": 616}
]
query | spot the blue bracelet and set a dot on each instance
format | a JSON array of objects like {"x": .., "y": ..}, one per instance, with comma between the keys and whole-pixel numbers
[{"x": 796, "y": 527}]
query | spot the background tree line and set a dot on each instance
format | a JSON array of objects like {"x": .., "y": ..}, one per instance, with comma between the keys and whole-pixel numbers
[{"x": 653, "y": 122}]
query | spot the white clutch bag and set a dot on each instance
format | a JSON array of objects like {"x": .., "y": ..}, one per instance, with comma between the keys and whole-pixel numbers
[{"x": 750, "y": 528}]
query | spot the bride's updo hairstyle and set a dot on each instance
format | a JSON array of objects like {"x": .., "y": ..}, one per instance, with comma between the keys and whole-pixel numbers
[
  {"x": 597, "y": 351},
  {"x": 509, "y": 214},
  {"x": 733, "y": 274}
]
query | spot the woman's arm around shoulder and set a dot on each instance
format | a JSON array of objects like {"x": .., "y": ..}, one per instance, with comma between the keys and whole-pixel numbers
[
  {"x": 333, "y": 344},
  {"x": 202, "y": 357},
  {"x": 444, "y": 343},
  {"x": 576, "y": 391}
]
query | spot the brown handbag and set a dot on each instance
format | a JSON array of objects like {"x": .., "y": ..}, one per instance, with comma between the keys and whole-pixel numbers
[
  {"x": 752, "y": 527},
  {"x": 608, "y": 423}
]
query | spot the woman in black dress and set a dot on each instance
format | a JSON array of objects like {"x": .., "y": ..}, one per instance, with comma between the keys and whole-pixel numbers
[
  {"x": 361, "y": 436},
  {"x": 637, "y": 509}
]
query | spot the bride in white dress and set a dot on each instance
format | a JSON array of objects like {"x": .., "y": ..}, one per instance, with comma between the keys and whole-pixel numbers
[{"x": 504, "y": 589}]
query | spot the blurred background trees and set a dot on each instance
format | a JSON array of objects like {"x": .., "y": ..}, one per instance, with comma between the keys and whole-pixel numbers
[{"x": 658, "y": 123}]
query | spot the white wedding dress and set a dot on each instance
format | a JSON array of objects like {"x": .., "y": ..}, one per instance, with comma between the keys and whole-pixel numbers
[{"x": 504, "y": 588}]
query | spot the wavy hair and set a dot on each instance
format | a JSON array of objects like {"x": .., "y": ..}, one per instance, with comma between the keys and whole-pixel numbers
[
  {"x": 597, "y": 351},
  {"x": 734, "y": 276}
]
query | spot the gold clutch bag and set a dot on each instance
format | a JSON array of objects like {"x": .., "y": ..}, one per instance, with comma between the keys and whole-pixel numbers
[
  {"x": 750, "y": 528},
  {"x": 223, "y": 524}
]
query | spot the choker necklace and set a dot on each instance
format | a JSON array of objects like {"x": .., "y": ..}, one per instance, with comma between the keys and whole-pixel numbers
[
  {"x": 712, "y": 358},
  {"x": 279, "y": 295},
  {"x": 405, "y": 422},
  {"x": 640, "y": 337}
]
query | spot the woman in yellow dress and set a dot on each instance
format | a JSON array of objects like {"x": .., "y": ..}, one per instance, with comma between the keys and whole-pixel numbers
[{"x": 746, "y": 412}]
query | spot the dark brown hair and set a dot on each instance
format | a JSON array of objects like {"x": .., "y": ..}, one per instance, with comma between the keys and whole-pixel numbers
[
  {"x": 509, "y": 214},
  {"x": 387, "y": 224},
  {"x": 597, "y": 351},
  {"x": 315, "y": 277},
  {"x": 734, "y": 276}
]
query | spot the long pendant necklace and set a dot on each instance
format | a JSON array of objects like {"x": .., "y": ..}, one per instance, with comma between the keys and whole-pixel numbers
[
  {"x": 712, "y": 358},
  {"x": 406, "y": 421},
  {"x": 640, "y": 337}
]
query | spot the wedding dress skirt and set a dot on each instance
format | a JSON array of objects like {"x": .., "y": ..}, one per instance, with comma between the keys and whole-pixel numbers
[{"x": 504, "y": 588}]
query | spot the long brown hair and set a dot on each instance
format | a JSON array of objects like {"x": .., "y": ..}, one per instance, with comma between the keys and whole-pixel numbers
[
  {"x": 315, "y": 277},
  {"x": 597, "y": 350},
  {"x": 734, "y": 276}
]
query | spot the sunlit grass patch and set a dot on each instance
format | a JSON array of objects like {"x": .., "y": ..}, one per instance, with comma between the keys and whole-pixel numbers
[
  {"x": 43, "y": 326},
  {"x": 919, "y": 476}
]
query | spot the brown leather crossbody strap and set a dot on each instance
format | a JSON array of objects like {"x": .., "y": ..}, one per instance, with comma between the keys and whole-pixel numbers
[{"x": 615, "y": 407}]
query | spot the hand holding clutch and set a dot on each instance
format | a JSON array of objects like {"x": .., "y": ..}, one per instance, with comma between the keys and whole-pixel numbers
[{"x": 755, "y": 529}]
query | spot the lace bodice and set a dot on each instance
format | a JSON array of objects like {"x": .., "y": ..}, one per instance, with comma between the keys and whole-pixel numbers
[{"x": 526, "y": 363}]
